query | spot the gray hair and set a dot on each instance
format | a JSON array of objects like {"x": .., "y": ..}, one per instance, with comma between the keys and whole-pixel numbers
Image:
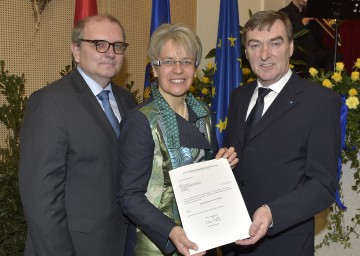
[
  {"x": 78, "y": 29},
  {"x": 264, "y": 20},
  {"x": 180, "y": 35}
]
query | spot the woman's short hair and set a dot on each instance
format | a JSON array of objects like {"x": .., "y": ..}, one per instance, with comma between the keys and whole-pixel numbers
[{"x": 180, "y": 35}]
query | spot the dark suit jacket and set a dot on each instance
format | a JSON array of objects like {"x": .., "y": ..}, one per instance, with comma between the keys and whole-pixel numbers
[
  {"x": 289, "y": 162},
  {"x": 68, "y": 172}
]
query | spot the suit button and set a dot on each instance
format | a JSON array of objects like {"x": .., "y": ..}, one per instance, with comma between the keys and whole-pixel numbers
[
  {"x": 242, "y": 183},
  {"x": 126, "y": 221}
]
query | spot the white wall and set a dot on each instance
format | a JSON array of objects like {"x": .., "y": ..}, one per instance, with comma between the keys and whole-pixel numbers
[
  {"x": 208, "y": 17},
  {"x": 274, "y": 4}
]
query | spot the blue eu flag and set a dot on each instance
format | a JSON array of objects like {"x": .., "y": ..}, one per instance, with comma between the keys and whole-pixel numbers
[
  {"x": 228, "y": 73},
  {"x": 160, "y": 14}
]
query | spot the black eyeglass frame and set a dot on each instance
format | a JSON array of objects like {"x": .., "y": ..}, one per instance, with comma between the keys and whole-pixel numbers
[{"x": 95, "y": 42}]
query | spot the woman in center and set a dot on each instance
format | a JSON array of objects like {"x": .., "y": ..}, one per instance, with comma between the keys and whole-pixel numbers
[{"x": 170, "y": 130}]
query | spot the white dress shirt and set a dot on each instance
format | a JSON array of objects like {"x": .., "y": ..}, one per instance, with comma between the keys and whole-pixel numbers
[
  {"x": 96, "y": 89},
  {"x": 270, "y": 97}
]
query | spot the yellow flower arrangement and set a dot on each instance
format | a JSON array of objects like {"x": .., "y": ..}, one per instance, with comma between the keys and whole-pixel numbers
[
  {"x": 246, "y": 71},
  {"x": 339, "y": 66},
  {"x": 202, "y": 87},
  {"x": 337, "y": 76},
  {"x": 347, "y": 86},
  {"x": 313, "y": 72},
  {"x": 355, "y": 76},
  {"x": 357, "y": 63},
  {"x": 341, "y": 82},
  {"x": 327, "y": 83},
  {"x": 205, "y": 79},
  {"x": 205, "y": 91},
  {"x": 352, "y": 102},
  {"x": 247, "y": 74},
  {"x": 352, "y": 92}
]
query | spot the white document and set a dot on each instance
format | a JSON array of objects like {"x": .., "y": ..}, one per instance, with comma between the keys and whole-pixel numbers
[{"x": 211, "y": 207}]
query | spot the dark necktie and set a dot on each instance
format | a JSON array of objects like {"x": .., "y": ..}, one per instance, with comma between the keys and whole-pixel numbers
[
  {"x": 256, "y": 112},
  {"x": 104, "y": 97}
]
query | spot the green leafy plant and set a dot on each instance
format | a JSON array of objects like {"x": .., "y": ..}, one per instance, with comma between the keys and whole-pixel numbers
[
  {"x": 348, "y": 86},
  {"x": 12, "y": 220},
  {"x": 38, "y": 7},
  {"x": 202, "y": 87},
  {"x": 135, "y": 92}
]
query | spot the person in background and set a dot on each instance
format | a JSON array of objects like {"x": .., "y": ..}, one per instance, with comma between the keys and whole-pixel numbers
[
  {"x": 287, "y": 140},
  {"x": 316, "y": 54},
  {"x": 68, "y": 161},
  {"x": 170, "y": 130}
]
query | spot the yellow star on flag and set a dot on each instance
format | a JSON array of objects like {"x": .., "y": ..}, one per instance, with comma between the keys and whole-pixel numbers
[
  {"x": 232, "y": 40},
  {"x": 222, "y": 125}
]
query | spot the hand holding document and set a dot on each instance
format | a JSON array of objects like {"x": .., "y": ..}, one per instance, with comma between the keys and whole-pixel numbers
[{"x": 211, "y": 207}]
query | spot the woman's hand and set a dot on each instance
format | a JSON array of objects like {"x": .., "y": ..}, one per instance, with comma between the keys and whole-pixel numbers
[
  {"x": 229, "y": 154},
  {"x": 183, "y": 244}
]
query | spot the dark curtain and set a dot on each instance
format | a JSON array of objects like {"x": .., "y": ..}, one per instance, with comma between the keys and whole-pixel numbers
[{"x": 350, "y": 42}]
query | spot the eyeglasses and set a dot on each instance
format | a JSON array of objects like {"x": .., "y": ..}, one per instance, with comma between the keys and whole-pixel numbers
[
  {"x": 171, "y": 63},
  {"x": 103, "y": 46}
]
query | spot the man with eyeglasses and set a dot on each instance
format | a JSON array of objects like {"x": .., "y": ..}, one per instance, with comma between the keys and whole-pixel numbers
[{"x": 68, "y": 162}]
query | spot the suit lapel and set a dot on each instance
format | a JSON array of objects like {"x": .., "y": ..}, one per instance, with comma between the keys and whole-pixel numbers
[
  {"x": 241, "y": 109},
  {"x": 92, "y": 106},
  {"x": 120, "y": 101},
  {"x": 289, "y": 96}
]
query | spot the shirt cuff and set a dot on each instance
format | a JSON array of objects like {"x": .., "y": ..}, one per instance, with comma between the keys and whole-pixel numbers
[{"x": 272, "y": 222}]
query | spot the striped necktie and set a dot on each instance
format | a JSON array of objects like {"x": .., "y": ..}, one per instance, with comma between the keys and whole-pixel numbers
[
  {"x": 104, "y": 97},
  {"x": 256, "y": 112}
]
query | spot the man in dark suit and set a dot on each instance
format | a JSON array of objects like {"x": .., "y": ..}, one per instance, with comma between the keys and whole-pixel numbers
[
  {"x": 287, "y": 169},
  {"x": 68, "y": 161}
]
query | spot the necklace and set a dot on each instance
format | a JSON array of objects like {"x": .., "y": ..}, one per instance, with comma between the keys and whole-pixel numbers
[{"x": 185, "y": 112}]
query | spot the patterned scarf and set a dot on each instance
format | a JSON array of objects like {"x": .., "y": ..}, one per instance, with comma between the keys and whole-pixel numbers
[{"x": 169, "y": 118}]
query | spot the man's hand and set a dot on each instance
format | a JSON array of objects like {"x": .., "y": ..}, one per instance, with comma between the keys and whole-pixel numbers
[
  {"x": 182, "y": 243},
  {"x": 229, "y": 154},
  {"x": 262, "y": 220},
  {"x": 306, "y": 21}
]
